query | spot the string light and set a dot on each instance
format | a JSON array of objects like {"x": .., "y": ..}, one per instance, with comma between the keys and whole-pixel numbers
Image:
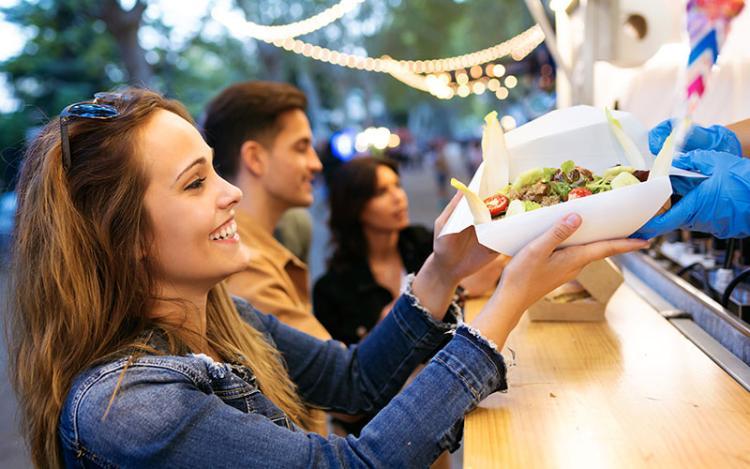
[
  {"x": 508, "y": 122},
  {"x": 517, "y": 47},
  {"x": 432, "y": 76},
  {"x": 241, "y": 27}
]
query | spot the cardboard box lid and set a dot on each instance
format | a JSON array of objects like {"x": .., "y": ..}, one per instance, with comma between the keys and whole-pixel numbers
[{"x": 601, "y": 279}]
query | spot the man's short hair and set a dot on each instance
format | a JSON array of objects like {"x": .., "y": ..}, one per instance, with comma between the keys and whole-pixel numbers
[{"x": 247, "y": 111}]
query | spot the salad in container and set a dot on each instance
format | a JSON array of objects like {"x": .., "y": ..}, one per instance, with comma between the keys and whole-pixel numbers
[{"x": 581, "y": 159}]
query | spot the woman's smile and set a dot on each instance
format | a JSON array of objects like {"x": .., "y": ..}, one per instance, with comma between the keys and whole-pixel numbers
[{"x": 226, "y": 233}]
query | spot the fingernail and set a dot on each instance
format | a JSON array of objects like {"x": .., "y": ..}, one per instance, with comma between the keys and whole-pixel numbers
[{"x": 573, "y": 220}]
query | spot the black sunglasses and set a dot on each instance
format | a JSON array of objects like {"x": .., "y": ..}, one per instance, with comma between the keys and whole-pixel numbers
[{"x": 96, "y": 109}]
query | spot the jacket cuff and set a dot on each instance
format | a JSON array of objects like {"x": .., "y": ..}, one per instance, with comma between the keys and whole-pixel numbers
[
  {"x": 452, "y": 317},
  {"x": 476, "y": 362}
]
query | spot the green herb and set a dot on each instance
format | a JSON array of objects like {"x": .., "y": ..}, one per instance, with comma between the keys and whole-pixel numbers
[
  {"x": 530, "y": 205},
  {"x": 567, "y": 166},
  {"x": 599, "y": 185},
  {"x": 561, "y": 188}
]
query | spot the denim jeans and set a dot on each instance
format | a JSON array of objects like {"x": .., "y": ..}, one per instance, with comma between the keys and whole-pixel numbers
[{"x": 188, "y": 411}]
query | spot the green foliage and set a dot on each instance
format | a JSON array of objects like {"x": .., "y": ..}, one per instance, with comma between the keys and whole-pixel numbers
[
  {"x": 65, "y": 58},
  {"x": 70, "y": 55},
  {"x": 428, "y": 29}
]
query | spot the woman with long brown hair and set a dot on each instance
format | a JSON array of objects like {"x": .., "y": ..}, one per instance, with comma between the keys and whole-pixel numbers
[{"x": 126, "y": 351}]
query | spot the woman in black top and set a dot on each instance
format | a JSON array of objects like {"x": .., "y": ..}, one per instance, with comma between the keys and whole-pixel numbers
[{"x": 374, "y": 248}]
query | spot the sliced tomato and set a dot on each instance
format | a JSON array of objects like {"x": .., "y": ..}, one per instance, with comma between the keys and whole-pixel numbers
[
  {"x": 578, "y": 192},
  {"x": 497, "y": 204}
]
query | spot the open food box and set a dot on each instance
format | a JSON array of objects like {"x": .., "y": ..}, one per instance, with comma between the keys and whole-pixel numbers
[{"x": 587, "y": 137}]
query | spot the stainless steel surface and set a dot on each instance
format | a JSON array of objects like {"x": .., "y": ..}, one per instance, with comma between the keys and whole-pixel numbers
[
  {"x": 719, "y": 334},
  {"x": 735, "y": 367}
]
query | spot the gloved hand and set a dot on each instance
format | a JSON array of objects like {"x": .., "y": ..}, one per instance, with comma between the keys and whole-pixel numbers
[
  {"x": 716, "y": 137},
  {"x": 719, "y": 205}
]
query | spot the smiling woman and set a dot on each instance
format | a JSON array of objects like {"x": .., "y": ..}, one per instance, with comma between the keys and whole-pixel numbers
[{"x": 127, "y": 351}]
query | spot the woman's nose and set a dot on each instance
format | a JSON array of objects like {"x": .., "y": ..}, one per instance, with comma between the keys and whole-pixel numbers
[{"x": 230, "y": 194}]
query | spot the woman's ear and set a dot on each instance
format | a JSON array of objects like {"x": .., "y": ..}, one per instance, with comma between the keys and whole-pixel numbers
[{"x": 253, "y": 157}]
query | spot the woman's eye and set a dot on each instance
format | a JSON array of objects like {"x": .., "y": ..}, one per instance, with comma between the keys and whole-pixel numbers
[{"x": 197, "y": 184}]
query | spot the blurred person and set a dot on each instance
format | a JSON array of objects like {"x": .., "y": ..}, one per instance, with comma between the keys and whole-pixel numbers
[
  {"x": 294, "y": 232},
  {"x": 126, "y": 350},
  {"x": 473, "y": 156},
  {"x": 374, "y": 250},
  {"x": 263, "y": 144},
  {"x": 441, "y": 168}
]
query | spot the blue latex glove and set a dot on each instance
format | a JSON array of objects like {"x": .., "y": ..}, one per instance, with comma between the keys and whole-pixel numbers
[
  {"x": 715, "y": 138},
  {"x": 719, "y": 205}
]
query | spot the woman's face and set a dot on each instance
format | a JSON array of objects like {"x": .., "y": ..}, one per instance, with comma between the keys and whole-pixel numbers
[
  {"x": 191, "y": 209},
  {"x": 388, "y": 209}
]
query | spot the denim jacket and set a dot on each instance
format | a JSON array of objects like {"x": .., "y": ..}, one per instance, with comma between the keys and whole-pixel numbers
[{"x": 188, "y": 411}]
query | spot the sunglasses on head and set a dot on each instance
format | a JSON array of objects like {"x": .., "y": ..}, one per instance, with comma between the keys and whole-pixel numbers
[{"x": 98, "y": 109}]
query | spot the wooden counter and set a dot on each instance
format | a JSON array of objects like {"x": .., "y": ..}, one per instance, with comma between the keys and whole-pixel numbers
[{"x": 628, "y": 392}]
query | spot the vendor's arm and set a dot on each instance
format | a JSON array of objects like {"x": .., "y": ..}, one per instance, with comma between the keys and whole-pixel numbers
[{"x": 742, "y": 130}]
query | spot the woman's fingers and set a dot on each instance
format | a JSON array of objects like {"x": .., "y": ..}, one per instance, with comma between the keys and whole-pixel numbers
[
  {"x": 587, "y": 253},
  {"x": 447, "y": 211}
]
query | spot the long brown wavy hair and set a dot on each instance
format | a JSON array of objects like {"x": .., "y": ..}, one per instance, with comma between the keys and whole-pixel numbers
[{"x": 80, "y": 292}]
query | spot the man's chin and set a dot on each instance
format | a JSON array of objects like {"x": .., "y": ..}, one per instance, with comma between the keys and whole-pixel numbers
[{"x": 305, "y": 201}]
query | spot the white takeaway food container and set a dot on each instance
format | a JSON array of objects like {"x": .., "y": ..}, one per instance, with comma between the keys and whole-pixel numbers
[{"x": 581, "y": 134}]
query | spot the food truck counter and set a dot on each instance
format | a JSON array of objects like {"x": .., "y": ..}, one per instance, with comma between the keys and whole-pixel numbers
[{"x": 630, "y": 391}]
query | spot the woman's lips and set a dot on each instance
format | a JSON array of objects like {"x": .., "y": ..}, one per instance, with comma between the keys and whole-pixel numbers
[{"x": 227, "y": 232}]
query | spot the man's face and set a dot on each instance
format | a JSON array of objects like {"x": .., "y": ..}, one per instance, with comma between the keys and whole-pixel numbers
[{"x": 292, "y": 162}]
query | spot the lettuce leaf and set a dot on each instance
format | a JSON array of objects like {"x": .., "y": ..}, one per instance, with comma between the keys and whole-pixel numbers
[
  {"x": 599, "y": 185},
  {"x": 567, "y": 166},
  {"x": 530, "y": 205}
]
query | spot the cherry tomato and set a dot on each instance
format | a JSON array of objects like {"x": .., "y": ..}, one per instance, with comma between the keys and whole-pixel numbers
[
  {"x": 497, "y": 204},
  {"x": 578, "y": 192}
]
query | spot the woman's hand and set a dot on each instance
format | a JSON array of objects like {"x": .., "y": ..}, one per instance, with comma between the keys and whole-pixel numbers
[
  {"x": 458, "y": 255},
  {"x": 484, "y": 281},
  {"x": 537, "y": 270},
  {"x": 454, "y": 257}
]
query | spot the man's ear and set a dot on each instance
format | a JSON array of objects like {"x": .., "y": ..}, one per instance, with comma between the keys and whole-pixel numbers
[{"x": 254, "y": 157}]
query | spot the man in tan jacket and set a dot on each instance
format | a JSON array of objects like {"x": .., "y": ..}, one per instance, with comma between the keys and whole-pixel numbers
[{"x": 263, "y": 144}]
